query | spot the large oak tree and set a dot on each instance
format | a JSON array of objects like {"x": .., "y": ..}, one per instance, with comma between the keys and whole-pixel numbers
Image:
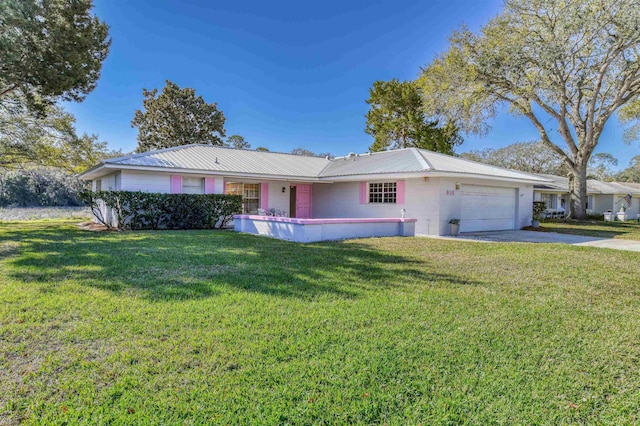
[
  {"x": 567, "y": 66},
  {"x": 177, "y": 117}
]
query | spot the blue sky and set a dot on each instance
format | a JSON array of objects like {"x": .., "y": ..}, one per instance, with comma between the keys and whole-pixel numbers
[{"x": 286, "y": 74}]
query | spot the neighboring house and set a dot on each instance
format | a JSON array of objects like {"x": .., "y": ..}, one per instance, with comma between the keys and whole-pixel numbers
[
  {"x": 427, "y": 186},
  {"x": 602, "y": 196}
]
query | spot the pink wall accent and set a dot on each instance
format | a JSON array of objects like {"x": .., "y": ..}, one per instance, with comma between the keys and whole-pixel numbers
[
  {"x": 176, "y": 184},
  {"x": 264, "y": 195},
  {"x": 400, "y": 192},
  {"x": 363, "y": 192},
  {"x": 209, "y": 185},
  {"x": 302, "y": 221}
]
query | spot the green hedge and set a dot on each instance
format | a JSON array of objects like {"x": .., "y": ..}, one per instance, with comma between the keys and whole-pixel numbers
[{"x": 144, "y": 210}]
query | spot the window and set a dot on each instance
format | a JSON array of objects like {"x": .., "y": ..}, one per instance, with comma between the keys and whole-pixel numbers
[
  {"x": 590, "y": 202},
  {"x": 382, "y": 192},
  {"x": 250, "y": 195},
  {"x": 192, "y": 185},
  {"x": 99, "y": 185},
  {"x": 550, "y": 199}
]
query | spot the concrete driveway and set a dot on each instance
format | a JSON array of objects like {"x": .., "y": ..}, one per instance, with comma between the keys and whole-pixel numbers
[{"x": 550, "y": 237}]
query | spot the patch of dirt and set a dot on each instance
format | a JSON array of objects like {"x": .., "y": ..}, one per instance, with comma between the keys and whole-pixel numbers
[
  {"x": 92, "y": 226},
  {"x": 533, "y": 228}
]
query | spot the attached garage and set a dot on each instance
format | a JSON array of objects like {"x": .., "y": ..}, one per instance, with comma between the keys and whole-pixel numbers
[{"x": 487, "y": 208}]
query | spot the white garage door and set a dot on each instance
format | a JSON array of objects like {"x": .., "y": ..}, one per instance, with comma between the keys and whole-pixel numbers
[{"x": 487, "y": 208}]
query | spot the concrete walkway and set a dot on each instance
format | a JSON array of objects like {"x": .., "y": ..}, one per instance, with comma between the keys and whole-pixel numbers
[{"x": 550, "y": 237}]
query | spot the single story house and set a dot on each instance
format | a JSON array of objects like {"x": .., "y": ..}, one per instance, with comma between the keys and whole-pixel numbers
[
  {"x": 411, "y": 184},
  {"x": 602, "y": 196}
]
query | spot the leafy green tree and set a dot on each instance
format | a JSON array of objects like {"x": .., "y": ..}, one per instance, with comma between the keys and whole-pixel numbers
[
  {"x": 631, "y": 173},
  {"x": 570, "y": 63},
  {"x": 238, "y": 142},
  {"x": 601, "y": 166},
  {"x": 531, "y": 157},
  {"x": 396, "y": 120},
  {"x": 49, "y": 50},
  {"x": 262, "y": 149},
  {"x": 46, "y": 140},
  {"x": 177, "y": 117},
  {"x": 309, "y": 153},
  {"x": 303, "y": 151},
  {"x": 39, "y": 187}
]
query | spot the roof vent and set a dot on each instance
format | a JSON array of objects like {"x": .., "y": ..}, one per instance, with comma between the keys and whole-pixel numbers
[{"x": 353, "y": 155}]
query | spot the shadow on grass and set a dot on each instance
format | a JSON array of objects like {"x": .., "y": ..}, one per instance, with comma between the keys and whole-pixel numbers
[
  {"x": 182, "y": 265},
  {"x": 599, "y": 229}
]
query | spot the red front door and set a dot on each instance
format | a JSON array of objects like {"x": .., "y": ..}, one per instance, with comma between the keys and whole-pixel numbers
[{"x": 303, "y": 201}]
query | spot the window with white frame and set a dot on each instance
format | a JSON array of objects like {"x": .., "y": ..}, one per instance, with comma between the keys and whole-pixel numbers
[
  {"x": 550, "y": 200},
  {"x": 250, "y": 195},
  {"x": 382, "y": 192},
  {"x": 191, "y": 185},
  {"x": 590, "y": 202},
  {"x": 98, "y": 184}
]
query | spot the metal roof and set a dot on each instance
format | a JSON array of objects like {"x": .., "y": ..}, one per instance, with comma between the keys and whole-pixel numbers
[
  {"x": 216, "y": 159},
  {"x": 410, "y": 160},
  {"x": 561, "y": 183},
  {"x": 223, "y": 159}
]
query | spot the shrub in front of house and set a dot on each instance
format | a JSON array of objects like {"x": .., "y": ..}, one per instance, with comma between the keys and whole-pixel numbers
[{"x": 132, "y": 210}]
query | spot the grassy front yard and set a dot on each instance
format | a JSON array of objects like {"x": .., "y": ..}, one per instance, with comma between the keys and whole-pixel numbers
[
  {"x": 204, "y": 327},
  {"x": 625, "y": 230}
]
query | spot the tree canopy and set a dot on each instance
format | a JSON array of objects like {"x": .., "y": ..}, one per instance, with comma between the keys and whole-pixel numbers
[
  {"x": 50, "y": 139},
  {"x": 531, "y": 157},
  {"x": 177, "y": 117},
  {"x": 238, "y": 142},
  {"x": 631, "y": 173},
  {"x": 309, "y": 153},
  {"x": 396, "y": 119},
  {"x": 50, "y": 50},
  {"x": 570, "y": 63},
  {"x": 601, "y": 166}
]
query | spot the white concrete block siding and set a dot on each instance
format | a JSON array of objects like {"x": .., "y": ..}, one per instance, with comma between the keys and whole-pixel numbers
[{"x": 432, "y": 201}]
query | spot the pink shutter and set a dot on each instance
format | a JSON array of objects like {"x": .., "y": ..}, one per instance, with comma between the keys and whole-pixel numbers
[
  {"x": 363, "y": 192},
  {"x": 176, "y": 184},
  {"x": 400, "y": 192},
  {"x": 264, "y": 195},
  {"x": 209, "y": 185}
]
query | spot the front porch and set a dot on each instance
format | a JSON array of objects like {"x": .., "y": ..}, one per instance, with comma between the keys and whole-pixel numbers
[{"x": 313, "y": 230}]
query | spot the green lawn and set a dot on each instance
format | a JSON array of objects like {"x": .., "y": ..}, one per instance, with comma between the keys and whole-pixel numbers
[
  {"x": 212, "y": 327},
  {"x": 624, "y": 230}
]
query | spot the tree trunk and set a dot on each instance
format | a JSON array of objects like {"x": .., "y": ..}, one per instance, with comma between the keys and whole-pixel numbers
[{"x": 578, "y": 191}]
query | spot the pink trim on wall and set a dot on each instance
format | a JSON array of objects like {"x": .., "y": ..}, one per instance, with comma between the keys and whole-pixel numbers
[
  {"x": 209, "y": 185},
  {"x": 400, "y": 192},
  {"x": 325, "y": 221},
  {"x": 264, "y": 195},
  {"x": 176, "y": 184},
  {"x": 363, "y": 192}
]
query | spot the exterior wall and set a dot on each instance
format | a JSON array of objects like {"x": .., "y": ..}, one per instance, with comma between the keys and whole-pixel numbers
[
  {"x": 602, "y": 203},
  {"x": 433, "y": 202},
  {"x": 110, "y": 182},
  {"x": 133, "y": 180},
  {"x": 632, "y": 212},
  {"x": 342, "y": 200},
  {"x": 311, "y": 230},
  {"x": 277, "y": 199},
  {"x": 451, "y": 201}
]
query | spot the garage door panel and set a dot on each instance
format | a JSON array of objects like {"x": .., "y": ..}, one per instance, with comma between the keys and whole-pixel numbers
[{"x": 487, "y": 208}]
